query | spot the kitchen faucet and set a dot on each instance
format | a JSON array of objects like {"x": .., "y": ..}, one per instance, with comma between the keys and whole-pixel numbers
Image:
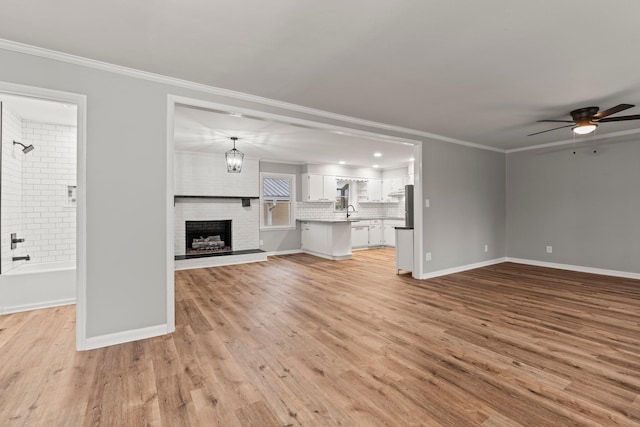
[{"x": 350, "y": 206}]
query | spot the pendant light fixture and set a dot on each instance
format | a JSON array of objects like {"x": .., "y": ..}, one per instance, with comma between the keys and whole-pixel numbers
[{"x": 234, "y": 158}]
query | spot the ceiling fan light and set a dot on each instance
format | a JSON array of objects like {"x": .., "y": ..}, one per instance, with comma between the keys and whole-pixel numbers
[{"x": 584, "y": 129}]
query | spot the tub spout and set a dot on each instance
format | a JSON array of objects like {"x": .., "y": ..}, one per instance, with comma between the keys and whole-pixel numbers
[{"x": 21, "y": 258}]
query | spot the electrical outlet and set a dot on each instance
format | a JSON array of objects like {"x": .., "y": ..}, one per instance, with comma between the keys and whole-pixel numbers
[
  {"x": 427, "y": 256},
  {"x": 549, "y": 249},
  {"x": 261, "y": 242},
  {"x": 486, "y": 248},
  {"x": 426, "y": 203}
]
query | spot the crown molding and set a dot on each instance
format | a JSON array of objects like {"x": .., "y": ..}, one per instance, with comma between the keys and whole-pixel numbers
[
  {"x": 172, "y": 81},
  {"x": 577, "y": 140}
]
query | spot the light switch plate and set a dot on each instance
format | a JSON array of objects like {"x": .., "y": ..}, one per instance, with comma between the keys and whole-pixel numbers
[{"x": 426, "y": 203}]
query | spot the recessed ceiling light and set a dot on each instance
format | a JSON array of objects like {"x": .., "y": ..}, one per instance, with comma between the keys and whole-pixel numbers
[
  {"x": 411, "y": 159},
  {"x": 377, "y": 154},
  {"x": 235, "y": 114},
  {"x": 376, "y": 166},
  {"x": 342, "y": 162}
]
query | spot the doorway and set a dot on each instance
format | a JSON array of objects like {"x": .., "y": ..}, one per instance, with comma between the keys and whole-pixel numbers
[{"x": 42, "y": 222}]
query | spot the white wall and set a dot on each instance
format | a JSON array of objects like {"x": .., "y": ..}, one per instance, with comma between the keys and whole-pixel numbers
[{"x": 206, "y": 175}]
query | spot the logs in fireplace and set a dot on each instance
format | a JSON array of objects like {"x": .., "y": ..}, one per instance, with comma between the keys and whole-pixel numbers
[{"x": 207, "y": 237}]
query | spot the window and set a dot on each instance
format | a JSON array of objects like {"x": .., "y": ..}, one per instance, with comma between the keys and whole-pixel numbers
[
  {"x": 342, "y": 196},
  {"x": 277, "y": 198}
]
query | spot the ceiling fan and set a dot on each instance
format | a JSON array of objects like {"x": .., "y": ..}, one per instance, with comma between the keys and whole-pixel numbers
[{"x": 586, "y": 120}]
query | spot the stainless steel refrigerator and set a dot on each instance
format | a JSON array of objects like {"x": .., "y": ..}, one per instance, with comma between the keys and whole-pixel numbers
[{"x": 408, "y": 206}]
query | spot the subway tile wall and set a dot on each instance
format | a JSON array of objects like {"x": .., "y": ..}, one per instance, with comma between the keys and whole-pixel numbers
[
  {"x": 324, "y": 210},
  {"x": 48, "y": 217},
  {"x": 11, "y": 191}
]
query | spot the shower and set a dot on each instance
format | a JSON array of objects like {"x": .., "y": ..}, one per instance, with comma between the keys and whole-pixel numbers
[
  {"x": 25, "y": 148},
  {"x": 38, "y": 201}
]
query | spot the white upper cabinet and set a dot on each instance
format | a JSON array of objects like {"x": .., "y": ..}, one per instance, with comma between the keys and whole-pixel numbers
[
  {"x": 318, "y": 188},
  {"x": 330, "y": 185},
  {"x": 374, "y": 190}
]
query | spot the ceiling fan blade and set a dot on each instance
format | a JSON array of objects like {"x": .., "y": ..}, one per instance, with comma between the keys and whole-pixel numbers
[
  {"x": 549, "y": 130},
  {"x": 620, "y": 119},
  {"x": 555, "y": 121},
  {"x": 612, "y": 110}
]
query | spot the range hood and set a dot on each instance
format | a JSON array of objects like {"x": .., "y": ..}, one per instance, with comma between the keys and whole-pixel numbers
[{"x": 397, "y": 192}]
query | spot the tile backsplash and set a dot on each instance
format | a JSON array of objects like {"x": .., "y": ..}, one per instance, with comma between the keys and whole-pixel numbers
[{"x": 324, "y": 210}]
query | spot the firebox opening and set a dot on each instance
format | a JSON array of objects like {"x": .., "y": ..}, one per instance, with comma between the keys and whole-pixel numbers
[{"x": 208, "y": 237}]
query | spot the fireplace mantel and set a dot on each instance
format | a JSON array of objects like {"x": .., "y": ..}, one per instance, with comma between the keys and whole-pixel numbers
[{"x": 246, "y": 201}]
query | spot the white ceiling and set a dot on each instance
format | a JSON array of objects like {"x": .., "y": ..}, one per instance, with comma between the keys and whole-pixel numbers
[
  {"x": 208, "y": 131},
  {"x": 481, "y": 72},
  {"x": 40, "y": 110}
]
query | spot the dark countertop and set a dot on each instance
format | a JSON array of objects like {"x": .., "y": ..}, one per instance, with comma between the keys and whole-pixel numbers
[{"x": 403, "y": 228}]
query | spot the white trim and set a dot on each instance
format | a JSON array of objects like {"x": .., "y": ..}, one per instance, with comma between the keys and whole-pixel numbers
[
  {"x": 582, "y": 269},
  {"x": 578, "y": 140},
  {"x": 170, "y": 203},
  {"x": 37, "y": 306},
  {"x": 117, "y": 69},
  {"x": 125, "y": 336},
  {"x": 287, "y": 252},
  {"x": 81, "y": 180},
  {"x": 329, "y": 257},
  {"x": 462, "y": 268},
  {"x": 418, "y": 214}
]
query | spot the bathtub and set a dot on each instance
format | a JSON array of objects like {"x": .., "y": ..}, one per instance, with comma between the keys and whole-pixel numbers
[{"x": 32, "y": 286}]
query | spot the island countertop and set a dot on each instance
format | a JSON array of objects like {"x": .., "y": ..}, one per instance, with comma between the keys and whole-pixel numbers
[{"x": 328, "y": 221}]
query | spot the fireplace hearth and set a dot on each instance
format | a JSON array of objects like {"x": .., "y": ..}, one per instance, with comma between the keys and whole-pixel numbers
[{"x": 208, "y": 237}]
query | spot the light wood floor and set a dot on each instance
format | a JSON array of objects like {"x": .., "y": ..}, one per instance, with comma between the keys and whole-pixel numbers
[{"x": 300, "y": 341}]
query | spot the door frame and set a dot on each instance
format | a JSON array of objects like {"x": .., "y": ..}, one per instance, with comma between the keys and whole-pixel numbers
[{"x": 80, "y": 101}]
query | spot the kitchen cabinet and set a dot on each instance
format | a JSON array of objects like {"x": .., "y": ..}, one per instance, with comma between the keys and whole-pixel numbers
[
  {"x": 404, "y": 249},
  {"x": 327, "y": 239},
  {"x": 375, "y": 233},
  {"x": 389, "y": 231},
  {"x": 359, "y": 236},
  {"x": 393, "y": 187},
  {"x": 374, "y": 190},
  {"x": 389, "y": 235},
  {"x": 318, "y": 188}
]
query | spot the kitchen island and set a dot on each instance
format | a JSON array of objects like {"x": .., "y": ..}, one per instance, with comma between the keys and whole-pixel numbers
[{"x": 330, "y": 239}]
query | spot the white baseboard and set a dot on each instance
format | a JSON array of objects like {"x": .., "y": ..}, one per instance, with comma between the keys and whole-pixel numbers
[
  {"x": 602, "y": 271},
  {"x": 288, "y": 252},
  {"x": 329, "y": 257},
  {"x": 122, "y": 337},
  {"x": 37, "y": 306},
  {"x": 461, "y": 268}
]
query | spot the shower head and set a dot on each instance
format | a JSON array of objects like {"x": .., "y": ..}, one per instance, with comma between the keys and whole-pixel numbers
[{"x": 25, "y": 148}]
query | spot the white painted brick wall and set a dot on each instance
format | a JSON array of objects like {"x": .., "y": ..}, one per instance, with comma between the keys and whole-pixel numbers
[
  {"x": 11, "y": 191},
  {"x": 245, "y": 221},
  {"x": 49, "y": 225},
  {"x": 198, "y": 174}
]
